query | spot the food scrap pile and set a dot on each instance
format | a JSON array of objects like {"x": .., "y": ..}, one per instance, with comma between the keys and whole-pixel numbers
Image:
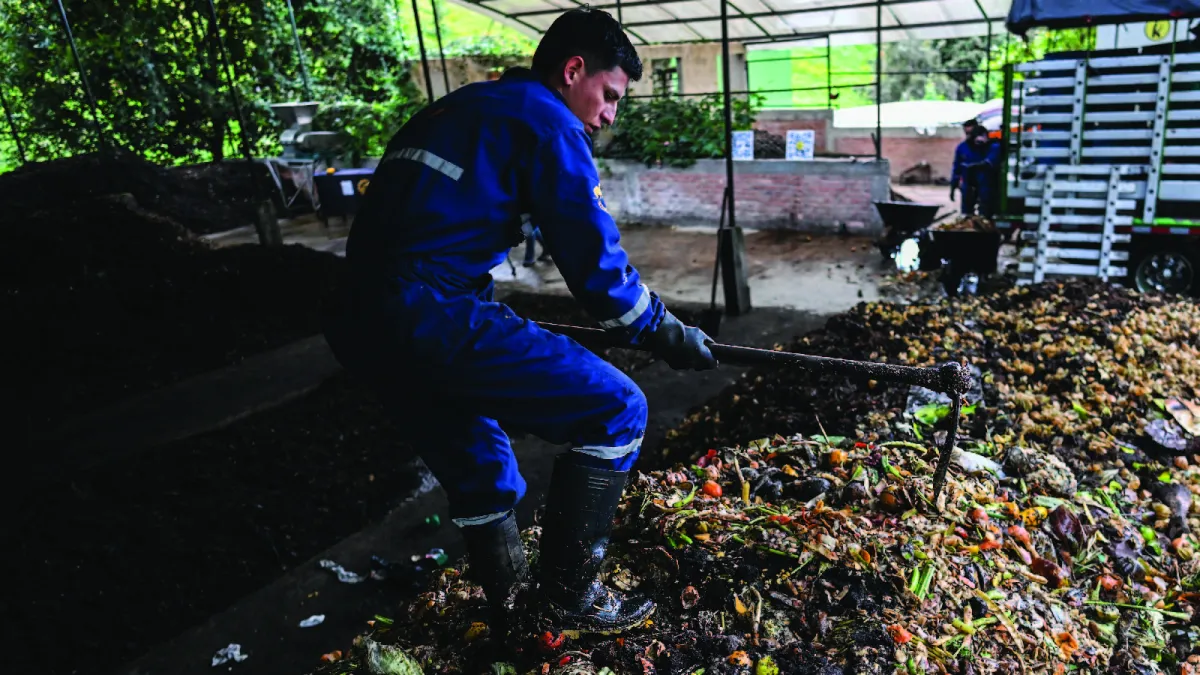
[
  {"x": 824, "y": 555},
  {"x": 967, "y": 224},
  {"x": 1065, "y": 540},
  {"x": 1080, "y": 368}
]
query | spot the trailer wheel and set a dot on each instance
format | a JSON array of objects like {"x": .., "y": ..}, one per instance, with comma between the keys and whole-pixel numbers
[{"x": 1168, "y": 269}]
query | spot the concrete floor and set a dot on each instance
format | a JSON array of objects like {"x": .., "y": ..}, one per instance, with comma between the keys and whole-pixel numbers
[{"x": 824, "y": 274}]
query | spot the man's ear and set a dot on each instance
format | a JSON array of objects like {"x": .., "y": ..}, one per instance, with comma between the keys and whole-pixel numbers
[{"x": 573, "y": 69}]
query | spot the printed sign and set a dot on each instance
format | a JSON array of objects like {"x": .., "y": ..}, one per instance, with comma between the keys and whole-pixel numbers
[
  {"x": 800, "y": 144},
  {"x": 347, "y": 188},
  {"x": 743, "y": 145},
  {"x": 1157, "y": 31}
]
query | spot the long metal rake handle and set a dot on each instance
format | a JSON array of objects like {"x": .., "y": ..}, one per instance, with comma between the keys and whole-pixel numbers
[{"x": 949, "y": 378}]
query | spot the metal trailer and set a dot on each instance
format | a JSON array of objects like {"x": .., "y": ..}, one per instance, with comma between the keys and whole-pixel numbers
[{"x": 1103, "y": 167}]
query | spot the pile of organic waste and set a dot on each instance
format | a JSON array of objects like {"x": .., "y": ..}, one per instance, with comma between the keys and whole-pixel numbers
[
  {"x": 1083, "y": 369},
  {"x": 1065, "y": 540},
  {"x": 825, "y": 555},
  {"x": 768, "y": 145},
  {"x": 114, "y": 299},
  {"x": 967, "y": 224}
]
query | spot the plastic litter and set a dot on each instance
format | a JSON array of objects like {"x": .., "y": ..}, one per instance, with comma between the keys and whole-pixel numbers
[
  {"x": 226, "y": 654},
  {"x": 437, "y": 556},
  {"x": 314, "y": 620},
  {"x": 1186, "y": 413},
  {"x": 344, "y": 575},
  {"x": 977, "y": 464}
]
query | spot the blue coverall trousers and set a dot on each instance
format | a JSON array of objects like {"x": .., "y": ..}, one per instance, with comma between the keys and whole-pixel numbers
[
  {"x": 456, "y": 370},
  {"x": 978, "y": 192}
]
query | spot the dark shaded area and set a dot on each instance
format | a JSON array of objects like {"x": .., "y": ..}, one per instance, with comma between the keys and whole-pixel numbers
[
  {"x": 143, "y": 548},
  {"x": 140, "y": 549},
  {"x": 204, "y": 198},
  {"x": 114, "y": 300}
]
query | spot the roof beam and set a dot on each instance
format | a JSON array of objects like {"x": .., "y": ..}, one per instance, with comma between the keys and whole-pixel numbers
[
  {"x": 794, "y": 12},
  {"x": 841, "y": 31},
  {"x": 656, "y": 3}
]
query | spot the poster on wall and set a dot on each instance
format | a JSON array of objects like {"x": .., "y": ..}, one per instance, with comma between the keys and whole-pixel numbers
[
  {"x": 743, "y": 146},
  {"x": 800, "y": 144}
]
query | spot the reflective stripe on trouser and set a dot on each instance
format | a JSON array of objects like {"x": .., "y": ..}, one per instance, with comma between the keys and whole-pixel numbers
[{"x": 453, "y": 370}]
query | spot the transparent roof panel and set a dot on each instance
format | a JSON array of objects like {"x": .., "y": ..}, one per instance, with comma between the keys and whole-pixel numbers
[{"x": 768, "y": 23}]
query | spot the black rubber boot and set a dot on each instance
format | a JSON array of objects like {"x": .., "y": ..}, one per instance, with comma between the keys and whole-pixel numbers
[
  {"x": 496, "y": 561},
  {"x": 579, "y": 517}
]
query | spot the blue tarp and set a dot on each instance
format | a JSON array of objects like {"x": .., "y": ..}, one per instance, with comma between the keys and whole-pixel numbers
[{"x": 1026, "y": 14}]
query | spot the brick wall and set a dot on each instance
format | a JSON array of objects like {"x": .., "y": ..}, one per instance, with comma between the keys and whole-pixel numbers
[
  {"x": 903, "y": 150},
  {"x": 770, "y": 194},
  {"x": 779, "y": 122}
]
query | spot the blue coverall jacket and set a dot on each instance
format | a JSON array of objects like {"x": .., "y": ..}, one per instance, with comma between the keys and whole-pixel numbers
[
  {"x": 417, "y": 318},
  {"x": 967, "y": 181}
]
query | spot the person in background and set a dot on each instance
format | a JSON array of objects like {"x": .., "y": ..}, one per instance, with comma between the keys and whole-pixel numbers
[
  {"x": 981, "y": 175},
  {"x": 966, "y": 152},
  {"x": 533, "y": 236}
]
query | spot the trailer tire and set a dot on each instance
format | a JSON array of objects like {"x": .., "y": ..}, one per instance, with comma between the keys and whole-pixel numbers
[{"x": 1163, "y": 265}]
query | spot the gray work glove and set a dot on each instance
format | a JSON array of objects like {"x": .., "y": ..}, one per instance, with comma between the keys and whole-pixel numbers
[{"x": 682, "y": 347}]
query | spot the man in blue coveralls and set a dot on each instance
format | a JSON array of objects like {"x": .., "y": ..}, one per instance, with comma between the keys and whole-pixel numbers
[
  {"x": 415, "y": 318},
  {"x": 965, "y": 153}
]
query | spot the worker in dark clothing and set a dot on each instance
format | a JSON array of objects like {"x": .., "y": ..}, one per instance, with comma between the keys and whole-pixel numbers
[
  {"x": 416, "y": 320},
  {"x": 533, "y": 237},
  {"x": 965, "y": 153},
  {"x": 980, "y": 174}
]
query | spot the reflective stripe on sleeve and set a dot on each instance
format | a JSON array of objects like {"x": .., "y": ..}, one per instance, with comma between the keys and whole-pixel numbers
[
  {"x": 449, "y": 169},
  {"x": 632, "y": 315}
]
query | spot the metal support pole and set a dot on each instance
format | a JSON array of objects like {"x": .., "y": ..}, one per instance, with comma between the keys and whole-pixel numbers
[
  {"x": 732, "y": 251},
  {"x": 267, "y": 226},
  {"x": 829, "y": 71},
  {"x": 437, "y": 30},
  {"x": 421, "y": 46},
  {"x": 987, "y": 83},
  {"x": 619, "y": 18},
  {"x": 87, "y": 88},
  {"x": 299, "y": 53},
  {"x": 243, "y": 128},
  {"x": 12, "y": 127},
  {"x": 878, "y": 80}
]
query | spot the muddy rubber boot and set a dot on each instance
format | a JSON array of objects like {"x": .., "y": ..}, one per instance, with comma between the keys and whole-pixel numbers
[
  {"x": 579, "y": 517},
  {"x": 496, "y": 561}
]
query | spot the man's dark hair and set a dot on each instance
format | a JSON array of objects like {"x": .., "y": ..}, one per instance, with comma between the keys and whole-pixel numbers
[
  {"x": 971, "y": 123},
  {"x": 591, "y": 33}
]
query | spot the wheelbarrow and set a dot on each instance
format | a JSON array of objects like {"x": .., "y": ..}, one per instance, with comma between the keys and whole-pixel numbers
[
  {"x": 901, "y": 221},
  {"x": 950, "y": 378}
]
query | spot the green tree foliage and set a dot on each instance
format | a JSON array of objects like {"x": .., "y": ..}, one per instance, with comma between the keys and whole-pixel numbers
[
  {"x": 855, "y": 64},
  {"x": 676, "y": 131},
  {"x": 163, "y": 91}
]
